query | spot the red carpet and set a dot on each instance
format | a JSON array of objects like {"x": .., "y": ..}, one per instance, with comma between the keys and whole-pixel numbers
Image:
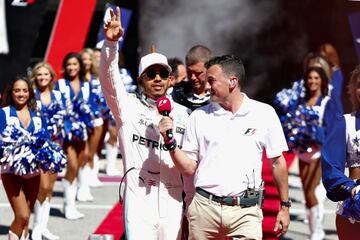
[
  {"x": 271, "y": 202},
  {"x": 113, "y": 222}
]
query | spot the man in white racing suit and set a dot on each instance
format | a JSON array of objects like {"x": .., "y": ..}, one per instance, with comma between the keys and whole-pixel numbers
[{"x": 153, "y": 186}]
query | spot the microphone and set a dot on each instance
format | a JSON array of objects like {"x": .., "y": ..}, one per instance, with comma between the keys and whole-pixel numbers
[{"x": 163, "y": 105}]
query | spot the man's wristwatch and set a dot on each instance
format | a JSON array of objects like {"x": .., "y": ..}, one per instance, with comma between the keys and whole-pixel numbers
[{"x": 286, "y": 203}]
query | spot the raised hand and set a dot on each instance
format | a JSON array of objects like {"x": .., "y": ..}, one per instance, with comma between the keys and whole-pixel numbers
[{"x": 112, "y": 27}]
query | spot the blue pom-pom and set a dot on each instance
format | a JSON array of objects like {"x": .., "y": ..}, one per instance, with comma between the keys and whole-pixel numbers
[
  {"x": 287, "y": 99},
  {"x": 351, "y": 208},
  {"x": 301, "y": 127},
  {"x": 25, "y": 152},
  {"x": 300, "y": 123},
  {"x": 78, "y": 120},
  {"x": 54, "y": 116}
]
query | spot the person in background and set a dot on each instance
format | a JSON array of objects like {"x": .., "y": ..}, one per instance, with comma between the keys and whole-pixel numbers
[
  {"x": 177, "y": 75},
  {"x": 192, "y": 93},
  {"x": 50, "y": 104},
  {"x": 316, "y": 96},
  {"x": 223, "y": 146},
  {"x": 91, "y": 76},
  {"x": 305, "y": 127},
  {"x": 97, "y": 52},
  {"x": 153, "y": 186},
  {"x": 25, "y": 147},
  {"x": 19, "y": 108},
  {"x": 78, "y": 121},
  {"x": 340, "y": 151}
]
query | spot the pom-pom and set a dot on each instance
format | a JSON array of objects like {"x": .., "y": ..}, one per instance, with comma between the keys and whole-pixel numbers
[
  {"x": 287, "y": 99},
  {"x": 301, "y": 128},
  {"x": 351, "y": 208},
  {"x": 78, "y": 120},
  {"x": 25, "y": 152},
  {"x": 54, "y": 116}
]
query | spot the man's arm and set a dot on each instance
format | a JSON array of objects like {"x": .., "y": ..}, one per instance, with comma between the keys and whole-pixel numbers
[
  {"x": 183, "y": 163},
  {"x": 333, "y": 160},
  {"x": 113, "y": 88},
  {"x": 280, "y": 174}
]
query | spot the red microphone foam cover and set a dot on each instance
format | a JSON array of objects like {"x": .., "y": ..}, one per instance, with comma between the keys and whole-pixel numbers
[{"x": 163, "y": 104}]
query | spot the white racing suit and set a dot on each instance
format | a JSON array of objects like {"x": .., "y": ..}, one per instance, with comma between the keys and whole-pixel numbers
[{"x": 153, "y": 186}]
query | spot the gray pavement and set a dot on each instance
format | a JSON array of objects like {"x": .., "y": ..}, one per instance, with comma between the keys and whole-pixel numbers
[
  {"x": 106, "y": 196},
  {"x": 299, "y": 228}
]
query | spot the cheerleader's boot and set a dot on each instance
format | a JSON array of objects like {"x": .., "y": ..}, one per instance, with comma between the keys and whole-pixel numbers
[
  {"x": 45, "y": 218},
  {"x": 316, "y": 218},
  {"x": 111, "y": 156},
  {"x": 320, "y": 193},
  {"x": 38, "y": 221},
  {"x": 93, "y": 174},
  {"x": 83, "y": 192},
  {"x": 70, "y": 210}
]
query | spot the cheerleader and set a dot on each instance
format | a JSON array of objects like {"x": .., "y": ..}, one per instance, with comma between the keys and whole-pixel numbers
[
  {"x": 289, "y": 98},
  {"x": 50, "y": 104},
  {"x": 340, "y": 151},
  {"x": 305, "y": 127},
  {"x": 77, "y": 122},
  {"x": 91, "y": 76},
  {"x": 24, "y": 148}
]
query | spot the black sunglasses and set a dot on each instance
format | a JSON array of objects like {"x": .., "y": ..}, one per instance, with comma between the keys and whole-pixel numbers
[{"x": 151, "y": 73}]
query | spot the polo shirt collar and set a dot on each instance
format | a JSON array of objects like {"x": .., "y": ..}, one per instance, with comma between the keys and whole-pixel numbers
[
  {"x": 199, "y": 97},
  {"x": 243, "y": 110}
]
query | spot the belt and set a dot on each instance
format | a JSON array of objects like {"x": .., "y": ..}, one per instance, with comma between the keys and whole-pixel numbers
[{"x": 241, "y": 201}]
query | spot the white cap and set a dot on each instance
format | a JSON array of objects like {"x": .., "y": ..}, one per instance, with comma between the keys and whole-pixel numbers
[{"x": 153, "y": 59}]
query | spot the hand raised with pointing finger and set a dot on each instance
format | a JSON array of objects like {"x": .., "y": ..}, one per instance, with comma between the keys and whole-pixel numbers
[{"x": 113, "y": 29}]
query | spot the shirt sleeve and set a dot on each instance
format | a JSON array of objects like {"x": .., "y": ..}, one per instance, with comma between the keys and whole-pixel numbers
[
  {"x": 190, "y": 141},
  {"x": 332, "y": 111},
  {"x": 112, "y": 86},
  {"x": 275, "y": 142},
  {"x": 337, "y": 83},
  {"x": 338, "y": 186}
]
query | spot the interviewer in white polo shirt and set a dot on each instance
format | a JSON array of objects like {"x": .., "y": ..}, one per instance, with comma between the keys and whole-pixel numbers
[{"x": 223, "y": 145}]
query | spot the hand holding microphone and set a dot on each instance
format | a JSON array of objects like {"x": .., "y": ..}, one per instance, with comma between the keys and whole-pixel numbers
[{"x": 163, "y": 105}]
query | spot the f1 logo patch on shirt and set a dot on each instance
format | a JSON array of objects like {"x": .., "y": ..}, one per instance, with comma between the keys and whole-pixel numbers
[{"x": 249, "y": 132}]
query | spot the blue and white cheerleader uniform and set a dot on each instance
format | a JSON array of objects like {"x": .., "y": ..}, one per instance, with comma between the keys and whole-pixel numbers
[
  {"x": 79, "y": 118},
  {"x": 305, "y": 127},
  {"x": 24, "y": 150},
  {"x": 340, "y": 150},
  {"x": 97, "y": 103},
  {"x": 53, "y": 114}
]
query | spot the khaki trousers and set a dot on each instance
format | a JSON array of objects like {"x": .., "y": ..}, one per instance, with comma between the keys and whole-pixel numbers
[{"x": 211, "y": 220}]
